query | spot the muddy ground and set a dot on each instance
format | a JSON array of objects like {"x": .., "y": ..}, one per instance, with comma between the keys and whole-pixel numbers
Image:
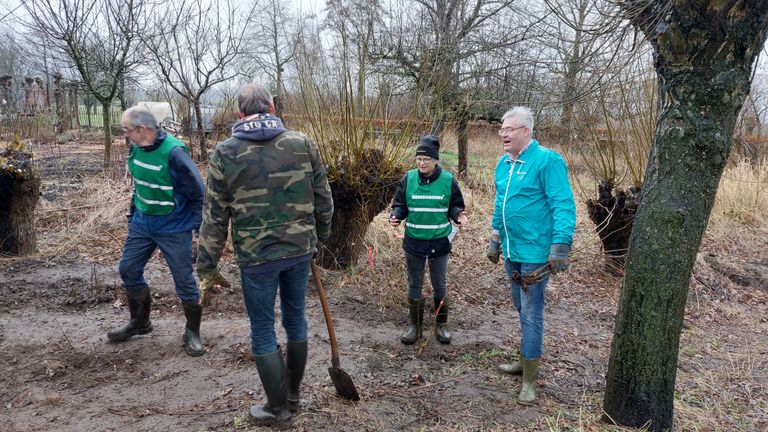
[{"x": 61, "y": 374}]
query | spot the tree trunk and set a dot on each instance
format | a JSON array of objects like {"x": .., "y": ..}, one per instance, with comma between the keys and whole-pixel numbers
[
  {"x": 106, "y": 118},
  {"x": 462, "y": 135},
  {"x": 703, "y": 76},
  {"x": 19, "y": 192},
  {"x": 203, "y": 150},
  {"x": 62, "y": 122},
  {"x": 75, "y": 108},
  {"x": 346, "y": 242}
]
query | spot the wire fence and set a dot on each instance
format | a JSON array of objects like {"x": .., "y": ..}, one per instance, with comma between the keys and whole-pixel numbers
[{"x": 45, "y": 125}]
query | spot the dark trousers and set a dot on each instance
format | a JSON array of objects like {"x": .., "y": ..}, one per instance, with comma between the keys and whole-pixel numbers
[{"x": 438, "y": 267}]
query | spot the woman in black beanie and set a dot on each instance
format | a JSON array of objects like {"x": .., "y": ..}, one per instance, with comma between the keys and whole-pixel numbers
[{"x": 430, "y": 198}]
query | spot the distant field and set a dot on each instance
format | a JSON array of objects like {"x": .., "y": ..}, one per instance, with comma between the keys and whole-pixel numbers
[{"x": 96, "y": 117}]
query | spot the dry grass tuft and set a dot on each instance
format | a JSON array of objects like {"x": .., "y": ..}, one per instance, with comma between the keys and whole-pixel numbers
[
  {"x": 743, "y": 193},
  {"x": 92, "y": 222}
]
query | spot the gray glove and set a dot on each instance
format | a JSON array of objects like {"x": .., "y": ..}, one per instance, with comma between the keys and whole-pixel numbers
[
  {"x": 558, "y": 257},
  {"x": 494, "y": 251}
]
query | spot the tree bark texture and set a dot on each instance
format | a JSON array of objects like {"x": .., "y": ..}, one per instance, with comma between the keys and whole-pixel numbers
[
  {"x": 19, "y": 192},
  {"x": 703, "y": 51}
]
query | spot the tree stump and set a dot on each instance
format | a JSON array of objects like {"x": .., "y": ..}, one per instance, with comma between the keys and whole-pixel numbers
[
  {"x": 19, "y": 192},
  {"x": 613, "y": 216}
]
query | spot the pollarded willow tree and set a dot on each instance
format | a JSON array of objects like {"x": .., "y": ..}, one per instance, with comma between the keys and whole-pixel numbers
[
  {"x": 362, "y": 145},
  {"x": 704, "y": 52}
]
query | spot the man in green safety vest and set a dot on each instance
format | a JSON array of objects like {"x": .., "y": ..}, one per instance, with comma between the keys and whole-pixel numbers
[
  {"x": 429, "y": 198},
  {"x": 166, "y": 207}
]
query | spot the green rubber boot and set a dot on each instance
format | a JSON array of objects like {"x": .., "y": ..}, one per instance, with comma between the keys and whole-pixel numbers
[
  {"x": 443, "y": 334},
  {"x": 527, "y": 394},
  {"x": 295, "y": 361},
  {"x": 272, "y": 372},
  {"x": 413, "y": 332}
]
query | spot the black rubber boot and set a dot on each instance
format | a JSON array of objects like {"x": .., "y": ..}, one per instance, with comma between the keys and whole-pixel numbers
[
  {"x": 194, "y": 313},
  {"x": 295, "y": 361},
  {"x": 442, "y": 333},
  {"x": 272, "y": 372},
  {"x": 139, "y": 324},
  {"x": 413, "y": 332}
]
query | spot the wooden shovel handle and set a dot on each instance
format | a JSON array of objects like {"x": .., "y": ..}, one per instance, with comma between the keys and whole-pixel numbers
[{"x": 328, "y": 319}]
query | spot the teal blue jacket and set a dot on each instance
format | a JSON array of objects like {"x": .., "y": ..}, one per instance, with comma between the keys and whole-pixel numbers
[{"x": 534, "y": 206}]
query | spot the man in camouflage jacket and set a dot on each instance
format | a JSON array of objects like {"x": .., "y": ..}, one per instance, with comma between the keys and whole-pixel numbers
[{"x": 270, "y": 183}]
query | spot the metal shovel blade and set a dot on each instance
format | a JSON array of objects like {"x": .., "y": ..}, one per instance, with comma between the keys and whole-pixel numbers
[
  {"x": 341, "y": 380},
  {"x": 343, "y": 383}
]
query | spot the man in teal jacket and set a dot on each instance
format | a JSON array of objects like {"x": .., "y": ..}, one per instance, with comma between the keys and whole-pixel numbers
[{"x": 533, "y": 221}]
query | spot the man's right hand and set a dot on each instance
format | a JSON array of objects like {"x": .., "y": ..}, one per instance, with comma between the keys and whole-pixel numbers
[
  {"x": 393, "y": 221},
  {"x": 494, "y": 250},
  {"x": 207, "y": 287}
]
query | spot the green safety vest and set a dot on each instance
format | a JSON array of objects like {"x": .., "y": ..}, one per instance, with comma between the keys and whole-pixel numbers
[
  {"x": 428, "y": 206},
  {"x": 151, "y": 177}
]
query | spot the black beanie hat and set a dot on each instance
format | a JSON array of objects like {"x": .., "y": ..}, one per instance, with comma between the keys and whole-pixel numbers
[{"x": 429, "y": 145}]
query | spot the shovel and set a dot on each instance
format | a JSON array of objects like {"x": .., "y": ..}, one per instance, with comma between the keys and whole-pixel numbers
[{"x": 341, "y": 380}]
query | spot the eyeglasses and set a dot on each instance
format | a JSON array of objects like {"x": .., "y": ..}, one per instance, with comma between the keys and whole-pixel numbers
[
  {"x": 502, "y": 131},
  {"x": 420, "y": 160},
  {"x": 129, "y": 130}
]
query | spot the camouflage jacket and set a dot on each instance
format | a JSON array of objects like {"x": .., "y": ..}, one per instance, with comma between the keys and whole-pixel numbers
[{"x": 271, "y": 185}]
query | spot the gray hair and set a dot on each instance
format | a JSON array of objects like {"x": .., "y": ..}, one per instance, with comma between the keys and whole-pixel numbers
[
  {"x": 523, "y": 115},
  {"x": 140, "y": 116},
  {"x": 254, "y": 99}
]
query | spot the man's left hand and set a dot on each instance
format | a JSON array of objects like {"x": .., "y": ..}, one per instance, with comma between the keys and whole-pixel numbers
[{"x": 558, "y": 257}]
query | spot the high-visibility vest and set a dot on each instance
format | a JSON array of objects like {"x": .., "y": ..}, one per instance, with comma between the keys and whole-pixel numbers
[
  {"x": 428, "y": 206},
  {"x": 151, "y": 177}
]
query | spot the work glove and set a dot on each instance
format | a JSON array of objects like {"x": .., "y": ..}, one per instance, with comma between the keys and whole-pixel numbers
[
  {"x": 494, "y": 250},
  {"x": 207, "y": 287},
  {"x": 558, "y": 257}
]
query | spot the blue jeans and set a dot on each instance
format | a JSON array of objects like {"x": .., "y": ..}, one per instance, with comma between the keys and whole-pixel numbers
[
  {"x": 177, "y": 251},
  {"x": 438, "y": 266},
  {"x": 260, "y": 291},
  {"x": 529, "y": 303}
]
